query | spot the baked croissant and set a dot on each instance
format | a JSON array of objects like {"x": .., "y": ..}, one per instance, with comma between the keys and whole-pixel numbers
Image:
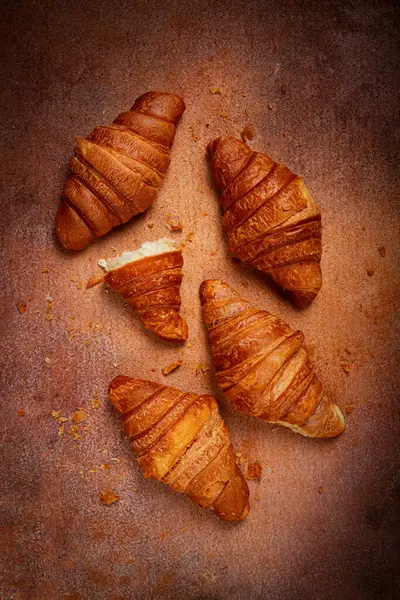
[
  {"x": 149, "y": 279},
  {"x": 180, "y": 439},
  {"x": 270, "y": 217},
  {"x": 262, "y": 365},
  {"x": 116, "y": 171}
]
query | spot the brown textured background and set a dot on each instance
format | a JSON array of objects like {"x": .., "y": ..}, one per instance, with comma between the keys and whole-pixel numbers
[{"x": 318, "y": 83}]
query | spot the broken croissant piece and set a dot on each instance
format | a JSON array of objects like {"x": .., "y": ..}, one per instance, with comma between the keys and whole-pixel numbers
[
  {"x": 180, "y": 439},
  {"x": 116, "y": 171},
  {"x": 270, "y": 217},
  {"x": 149, "y": 279},
  {"x": 263, "y": 367}
]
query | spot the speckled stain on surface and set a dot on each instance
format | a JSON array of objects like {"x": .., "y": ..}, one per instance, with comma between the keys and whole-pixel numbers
[{"x": 318, "y": 83}]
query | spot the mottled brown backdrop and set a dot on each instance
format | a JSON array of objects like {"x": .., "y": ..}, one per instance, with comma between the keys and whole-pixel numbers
[{"x": 317, "y": 81}]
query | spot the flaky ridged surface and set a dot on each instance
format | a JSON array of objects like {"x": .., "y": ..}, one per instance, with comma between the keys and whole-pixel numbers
[
  {"x": 152, "y": 288},
  {"x": 262, "y": 365},
  {"x": 180, "y": 439},
  {"x": 116, "y": 171},
  {"x": 270, "y": 217}
]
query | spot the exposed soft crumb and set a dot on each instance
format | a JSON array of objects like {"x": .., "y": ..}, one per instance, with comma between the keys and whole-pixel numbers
[
  {"x": 345, "y": 366},
  {"x": 370, "y": 272},
  {"x": 21, "y": 412},
  {"x": 174, "y": 223},
  {"x": 382, "y": 251},
  {"x": 47, "y": 360},
  {"x": 150, "y": 224},
  {"x": 349, "y": 408},
  {"x": 167, "y": 370},
  {"x": 247, "y": 132},
  {"x": 320, "y": 490},
  {"x": 108, "y": 497},
  {"x": 95, "y": 402},
  {"x": 190, "y": 236},
  {"x": 215, "y": 90},
  {"x": 22, "y": 306},
  {"x": 79, "y": 416},
  {"x": 202, "y": 368},
  {"x": 254, "y": 470}
]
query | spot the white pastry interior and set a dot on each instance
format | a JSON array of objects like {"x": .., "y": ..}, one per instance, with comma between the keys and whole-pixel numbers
[{"x": 160, "y": 246}]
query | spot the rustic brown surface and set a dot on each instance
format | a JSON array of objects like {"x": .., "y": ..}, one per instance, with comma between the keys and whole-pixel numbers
[{"x": 318, "y": 85}]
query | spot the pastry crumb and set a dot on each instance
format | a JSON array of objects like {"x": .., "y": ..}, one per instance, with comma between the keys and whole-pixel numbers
[
  {"x": 254, "y": 470},
  {"x": 270, "y": 105},
  {"x": 349, "y": 408},
  {"x": 224, "y": 115},
  {"x": 190, "y": 236},
  {"x": 189, "y": 345},
  {"x": 22, "y": 307},
  {"x": 370, "y": 272},
  {"x": 320, "y": 490},
  {"x": 215, "y": 90},
  {"x": 167, "y": 370},
  {"x": 247, "y": 132},
  {"x": 202, "y": 368},
  {"x": 174, "y": 223},
  {"x": 47, "y": 360},
  {"x": 150, "y": 224},
  {"x": 95, "y": 402},
  {"x": 345, "y": 366},
  {"x": 79, "y": 416},
  {"x": 382, "y": 251},
  {"x": 21, "y": 412},
  {"x": 108, "y": 497}
]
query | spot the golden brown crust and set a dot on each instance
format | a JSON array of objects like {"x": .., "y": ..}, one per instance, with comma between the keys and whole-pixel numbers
[
  {"x": 262, "y": 365},
  {"x": 152, "y": 288},
  {"x": 270, "y": 217},
  {"x": 116, "y": 171},
  {"x": 181, "y": 439}
]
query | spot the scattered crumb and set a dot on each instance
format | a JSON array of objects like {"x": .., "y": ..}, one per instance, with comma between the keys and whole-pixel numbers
[
  {"x": 115, "y": 365},
  {"x": 190, "y": 236},
  {"x": 349, "y": 408},
  {"x": 79, "y": 285},
  {"x": 95, "y": 402},
  {"x": 254, "y": 471},
  {"x": 215, "y": 90},
  {"x": 150, "y": 224},
  {"x": 345, "y": 366},
  {"x": 224, "y": 115},
  {"x": 21, "y": 412},
  {"x": 62, "y": 419},
  {"x": 49, "y": 317},
  {"x": 247, "y": 132},
  {"x": 212, "y": 253},
  {"x": 79, "y": 416},
  {"x": 320, "y": 490},
  {"x": 73, "y": 278},
  {"x": 61, "y": 431},
  {"x": 22, "y": 307},
  {"x": 106, "y": 467},
  {"x": 117, "y": 460},
  {"x": 270, "y": 105},
  {"x": 370, "y": 272},
  {"x": 108, "y": 497},
  {"x": 47, "y": 360},
  {"x": 199, "y": 188},
  {"x": 382, "y": 251},
  {"x": 257, "y": 497},
  {"x": 30, "y": 298},
  {"x": 202, "y": 368},
  {"x": 55, "y": 414},
  {"x": 171, "y": 367},
  {"x": 45, "y": 270},
  {"x": 189, "y": 345},
  {"x": 347, "y": 351},
  {"x": 205, "y": 214},
  {"x": 174, "y": 223}
]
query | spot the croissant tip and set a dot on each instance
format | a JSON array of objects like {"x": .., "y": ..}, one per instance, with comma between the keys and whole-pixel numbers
[{"x": 212, "y": 147}]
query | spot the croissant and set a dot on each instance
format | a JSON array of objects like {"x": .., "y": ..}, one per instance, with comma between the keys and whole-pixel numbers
[
  {"x": 262, "y": 365},
  {"x": 181, "y": 440},
  {"x": 270, "y": 217},
  {"x": 116, "y": 171},
  {"x": 149, "y": 279}
]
